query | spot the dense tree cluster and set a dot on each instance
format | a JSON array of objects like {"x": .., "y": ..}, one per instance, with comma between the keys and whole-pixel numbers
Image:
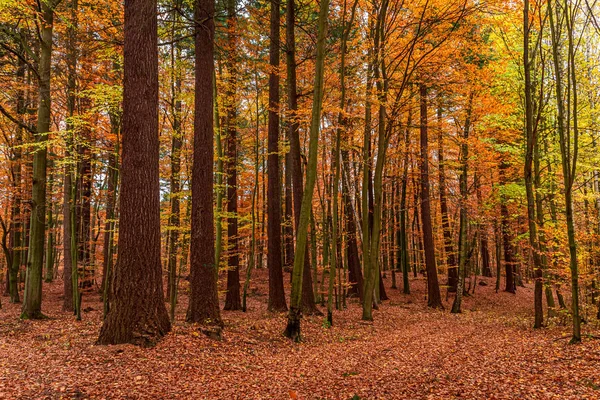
[{"x": 155, "y": 152}]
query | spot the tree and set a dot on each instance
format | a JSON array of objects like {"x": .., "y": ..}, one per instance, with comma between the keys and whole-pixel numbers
[
  {"x": 434, "y": 299},
  {"x": 204, "y": 302},
  {"x": 32, "y": 298},
  {"x": 276, "y": 293},
  {"x": 292, "y": 330},
  {"x": 137, "y": 311}
]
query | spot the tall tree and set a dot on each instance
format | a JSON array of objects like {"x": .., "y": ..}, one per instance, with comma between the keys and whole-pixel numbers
[
  {"x": 434, "y": 298},
  {"x": 274, "y": 259},
  {"x": 204, "y": 301},
  {"x": 32, "y": 298},
  {"x": 232, "y": 300},
  {"x": 292, "y": 330},
  {"x": 137, "y": 311},
  {"x": 531, "y": 139},
  {"x": 295, "y": 163},
  {"x": 568, "y": 134}
]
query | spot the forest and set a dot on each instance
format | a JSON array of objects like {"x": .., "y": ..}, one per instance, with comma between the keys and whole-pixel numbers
[{"x": 299, "y": 199}]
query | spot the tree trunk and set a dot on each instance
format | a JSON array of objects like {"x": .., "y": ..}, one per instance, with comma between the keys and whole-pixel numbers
[
  {"x": 506, "y": 236},
  {"x": 464, "y": 193},
  {"x": 531, "y": 139},
  {"x": 233, "y": 300},
  {"x": 137, "y": 312},
  {"x": 292, "y": 330},
  {"x": 276, "y": 292},
  {"x": 32, "y": 298},
  {"x": 446, "y": 229},
  {"x": 175, "y": 184},
  {"x": 434, "y": 299},
  {"x": 355, "y": 275},
  {"x": 204, "y": 301}
]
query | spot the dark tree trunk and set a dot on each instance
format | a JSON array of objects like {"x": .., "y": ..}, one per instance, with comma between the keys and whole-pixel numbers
[
  {"x": 233, "y": 300},
  {"x": 433, "y": 289},
  {"x": 16, "y": 228},
  {"x": 137, "y": 312},
  {"x": 276, "y": 291},
  {"x": 204, "y": 300},
  {"x": 509, "y": 263},
  {"x": 446, "y": 229},
  {"x": 68, "y": 303},
  {"x": 84, "y": 210},
  {"x": 355, "y": 275}
]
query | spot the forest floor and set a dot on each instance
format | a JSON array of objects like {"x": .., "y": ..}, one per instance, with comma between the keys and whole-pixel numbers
[{"x": 489, "y": 351}]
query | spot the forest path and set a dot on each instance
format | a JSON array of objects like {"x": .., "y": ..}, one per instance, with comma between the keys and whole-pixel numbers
[{"x": 408, "y": 352}]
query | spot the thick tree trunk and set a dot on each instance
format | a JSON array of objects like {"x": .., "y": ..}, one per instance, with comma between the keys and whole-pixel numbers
[
  {"x": 204, "y": 301},
  {"x": 137, "y": 312}
]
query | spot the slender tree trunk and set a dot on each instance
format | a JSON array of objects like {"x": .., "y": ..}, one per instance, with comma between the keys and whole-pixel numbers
[
  {"x": 233, "y": 300},
  {"x": 531, "y": 139},
  {"x": 111, "y": 217},
  {"x": 137, "y": 313},
  {"x": 277, "y": 301},
  {"x": 292, "y": 330},
  {"x": 446, "y": 229},
  {"x": 568, "y": 150},
  {"x": 506, "y": 236},
  {"x": 355, "y": 275},
  {"x": 176, "y": 144},
  {"x": 16, "y": 228},
  {"x": 464, "y": 221},
  {"x": 434, "y": 299},
  {"x": 32, "y": 298}
]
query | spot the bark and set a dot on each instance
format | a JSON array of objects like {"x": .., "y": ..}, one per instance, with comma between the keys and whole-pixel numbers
[
  {"x": 446, "y": 229},
  {"x": 292, "y": 330},
  {"x": 568, "y": 144},
  {"x": 463, "y": 184},
  {"x": 531, "y": 139},
  {"x": 403, "y": 218},
  {"x": 355, "y": 275},
  {"x": 32, "y": 298},
  {"x": 276, "y": 300},
  {"x": 16, "y": 228},
  {"x": 506, "y": 236},
  {"x": 70, "y": 270},
  {"x": 137, "y": 311},
  {"x": 175, "y": 179},
  {"x": 233, "y": 300},
  {"x": 308, "y": 293},
  {"x": 110, "y": 224},
  {"x": 434, "y": 298},
  {"x": 204, "y": 301}
]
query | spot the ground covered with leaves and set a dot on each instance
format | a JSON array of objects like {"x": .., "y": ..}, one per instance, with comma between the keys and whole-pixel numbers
[{"x": 408, "y": 352}]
